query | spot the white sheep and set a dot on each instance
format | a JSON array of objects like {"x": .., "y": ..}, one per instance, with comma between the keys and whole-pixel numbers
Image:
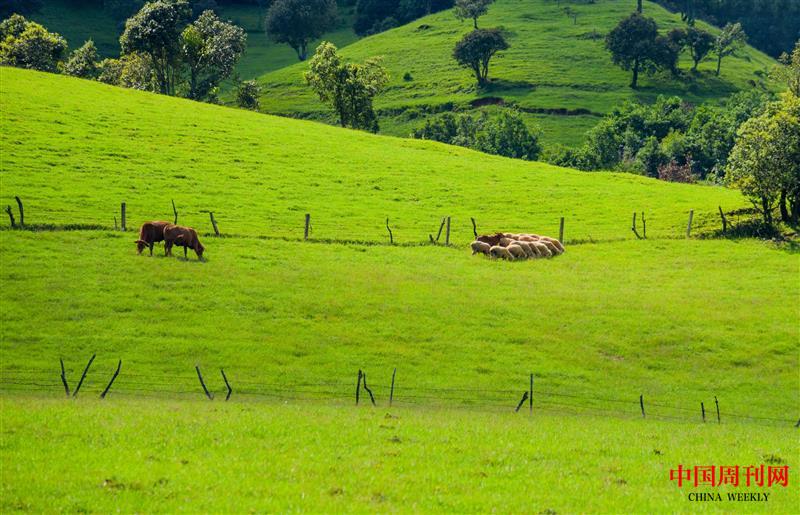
[
  {"x": 501, "y": 252},
  {"x": 555, "y": 242},
  {"x": 544, "y": 251},
  {"x": 550, "y": 245},
  {"x": 480, "y": 247},
  {"x": 506, "y": 241},
  {"x": 527, "y": 248},
  {"x": 517, "y": 251}
]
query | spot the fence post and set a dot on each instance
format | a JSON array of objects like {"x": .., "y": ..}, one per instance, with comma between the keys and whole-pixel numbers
[
  {"x": 103, "y": 395},
  {"x": 561, "y": 230},
  {"x": 227, "y": 385},
  {"x": 689, "y": 226},
  {"x": 308, "y": 222},
  {"x": 719, "y": 421},
  {"x": 214, "y": 223},
  {"x": 391, "y": 392},
  {"x": 724, "y": 221},
  {"x": 530, "y": 397},
  {"x": 11, "y": 216},
  {"x": 703, "y": 410},
  {"x": 371, "y": 397},
  {"x": 176, "y": 213},
  {"x": 391, "y": 238},
  {"x": 447, "y": 234},
  {"x": 641, "y": 404},
  {"x": 85, "y": 370},
  {"x": 474, "y": 228},
  {"x": 115, "y": 223},
  {"x": 441, "y": 226},
  {"x": 521, "y": 402},
  {"x": 644, "y": 227},
  {"x": 202, "y": 383},
  {"x": 633, "y": 227},
  {"x": 21, "y": 212},
  {"x": 64, "y": 377},
  {"x": 122, "y": 219},
  {"x": 358, "y": 386}
]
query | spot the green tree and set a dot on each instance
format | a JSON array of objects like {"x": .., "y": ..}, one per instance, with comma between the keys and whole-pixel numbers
[
  {"x": 298, "y": 22},
  {"x": 155, "y": 31},
  {"x": 26, "y": 44},
  {"x": 83, "y": 62},
  {"x": 210, "y": 48},
  {"x": 476, "y": 49},
  {"x": 349, "y": 88},
  {"x": 633, "y": 45},
  {"x": 788, "y": 70},
  {"x": 728, "y": 42},
  {"x": 508, "y": 135},
  {"x": 700, "y": 43},
  {"x": 133, "y": 71},
  {"x": 471, "y": 10},
  {"x": 248, "y": 95}
]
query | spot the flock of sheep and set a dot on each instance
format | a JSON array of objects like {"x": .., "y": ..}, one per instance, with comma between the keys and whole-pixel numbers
[{"x": 513, "y": 246}]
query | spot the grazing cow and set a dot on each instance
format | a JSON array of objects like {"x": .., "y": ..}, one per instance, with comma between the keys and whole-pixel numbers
[
  {"x": 149, "y": 233},
  {"x": 185, "y": 237}
]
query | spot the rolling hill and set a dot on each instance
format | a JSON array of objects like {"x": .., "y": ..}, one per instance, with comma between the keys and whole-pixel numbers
[
  {"x": 676, "y": 320},
  {"x": 556, "y": 71}
]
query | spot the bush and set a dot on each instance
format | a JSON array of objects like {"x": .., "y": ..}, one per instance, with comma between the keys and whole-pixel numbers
[
  {"x": 674, "y": 172},
  {"x": 508, "y": 135},
  {"x": 26, "y": 44},
  {"x": 83, "y": 62},
  {"x": 248, "y": 95}
]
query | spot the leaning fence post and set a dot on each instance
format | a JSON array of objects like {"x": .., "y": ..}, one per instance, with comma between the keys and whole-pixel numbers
[
  {"x": 561, "y": 230},
  {"x": 371, "y": 397},
  {"x": 122, "y": 215},
  {"x": 308, "y": 222},
  {"x": 474, "y": 228},
  {"x": 641, "y": 404},
  {"x": 447, "y": 234},
  {"x": 522, "y": 401},
  {"x": 115, "y": 223},
  {"x": 103, "y": 395},
  {"x": 64, "y": 377},
  {"x": 689, "y": 226},
  {"x": 214, "y": 223},
  {"x": 358, "y": 386},
  {"x": 85, "y": 370},
  {"x": 703, "y": 411},
  {"x": 391, "y": 392},
  {"x": 174, "y": 211},
  {"x": 530, "y": 397},
  {"x": 633, "y": 227},
  {"x": 719, "y": 421},
  {"x": 203, "y": 384},
  {"x": 441, "y": 226},
  {"x": 391, "y": 238},
  {"x": 11, "y": 216},
  {"x": 227, "y": 385},
  {"x": 21, "y": 212},
  {"x": 724, "y": 221}
]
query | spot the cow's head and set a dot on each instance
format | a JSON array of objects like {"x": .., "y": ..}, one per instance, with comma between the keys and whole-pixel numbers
[
  {"x": 140, "y": 246},
  {"x": 199, "y": 249}
]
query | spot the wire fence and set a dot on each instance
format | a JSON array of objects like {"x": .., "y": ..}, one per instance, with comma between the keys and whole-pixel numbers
[{"x": 247, "y": 387}]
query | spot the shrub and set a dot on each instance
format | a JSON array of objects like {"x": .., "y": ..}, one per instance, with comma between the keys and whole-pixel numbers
[
  {"x": 248, "y": 95},
  {"x": 26, "y": 44},
  {"x": 83, "y": 62}
]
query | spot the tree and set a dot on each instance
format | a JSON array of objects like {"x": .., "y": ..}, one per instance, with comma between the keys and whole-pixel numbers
[
  {"x": 248, "y": 95},
  {"x": 471, "y": 10},
  {"x": 348, "y": 88},
  {"x": 22, "y": 7},
  {"x": 26, "y": 44},
  {"x": 476, "y": 49},
  {"x": 633, "y": 46},
  {"x": 699, "y": 43},
  {"x": 134, "y": 71},
  {"x": 155, "y": 31},
  {"x": 83, "y": 62},
  {"x": 788, "y": 70},
  {"x": 728, "y": 42},
  {"x": 298, "y": 22},
  {"x": 507, "y": 135},
  {"x": 211, "y": 48}
]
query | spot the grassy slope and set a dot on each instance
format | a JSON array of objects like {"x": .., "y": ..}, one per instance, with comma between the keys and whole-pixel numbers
[
  {"x": 78, "y": 23},
  {"x": 550, "y": 65},
  {"x": 158, "y": 456},
  {"x": 73, "y": 158}
]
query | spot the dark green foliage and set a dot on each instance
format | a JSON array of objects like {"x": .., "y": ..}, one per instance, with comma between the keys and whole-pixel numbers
[
  {"x": 210, "y": 48},
  {"x": 134, "y": 71},
  {"x": 373, "y": 16},
  {"x": 476, "y": 49},
  {"x": 699, "y": 42},
  {"x": 471, "y": 10},
  {"x": 248, "y": 95},
  {"x": 298, "y": 22},
  {"x": 155, "y": 31},
  {"x": 635, "y": 45},
  {"x": 21, "y": 7},
  {"x": 26, "y": 44},
  {"x": 83, "y": 62}
]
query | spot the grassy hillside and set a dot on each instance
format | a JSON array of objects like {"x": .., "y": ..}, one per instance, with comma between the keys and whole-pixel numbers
[
  {"x": 73, "y": 159},
  {"x": 552, "y": 65},
  {"x": 78, "y": 22}
]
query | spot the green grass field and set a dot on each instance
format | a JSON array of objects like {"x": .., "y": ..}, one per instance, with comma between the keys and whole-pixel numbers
[
  {"x": 552, "y": 64},
  {"x": 678, "y": 321}
]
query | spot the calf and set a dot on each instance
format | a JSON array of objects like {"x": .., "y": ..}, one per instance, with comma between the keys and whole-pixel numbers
[
  {"x": 185, "y": 237},
  {"x": 149, "y": 233}
]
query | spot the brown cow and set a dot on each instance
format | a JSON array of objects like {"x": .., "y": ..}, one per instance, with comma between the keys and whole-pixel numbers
[
  {"x": 149, "y": 233},
  {"x": 492, "y": 240},
  {"x": 185, "y": 237}
]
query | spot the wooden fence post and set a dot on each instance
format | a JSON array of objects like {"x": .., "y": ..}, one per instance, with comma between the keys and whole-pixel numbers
[
  {"x": 447, "y": 234},
  {"x": 85, "y": 370},
  {"x": 122, "y": 218},
  {"x": 724, "y": 221},
  {"x": 203, "y": 384},
  {"x": 308, "y": 222},
  {"x": 703, "y": 410},
  {"x": 719, "y": 421},
  {"x": 176, "y": 213},
  {"x": 522, "y": 401},
  {"x": 391, "y": 238},
  {"x": 21, "y": 212},
  {"x": 530, "y": 397},
  {"x": 633, "y": 227},
  {"x": 561, "y": 230},
  {"x": 644, "y": 227},
  {"x": 371, "y": 397},
  {"x": 11, "y": 216},
  {"x": 441, "y": 226},
  {"x": 115, "y": 223},
  {"x": 641, "y": 404},
  {"x": 689, "y": 226},
  {"x": 119, "y": 366},
  {"x": 358, "y": 386},
  {"x": 214, "y": 223},
  {"x": 391, "y": 392},
  {"x": 474, "y": 228},
  {"x": 227, "y": 385},
  {"x": 64, "y": 377}
]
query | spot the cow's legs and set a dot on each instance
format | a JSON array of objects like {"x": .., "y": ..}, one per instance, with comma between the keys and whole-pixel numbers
[
  {"x": 151, "y": 248},
  {"x": 185, "y": 249},
  {"x": 167, "y": 248}
]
